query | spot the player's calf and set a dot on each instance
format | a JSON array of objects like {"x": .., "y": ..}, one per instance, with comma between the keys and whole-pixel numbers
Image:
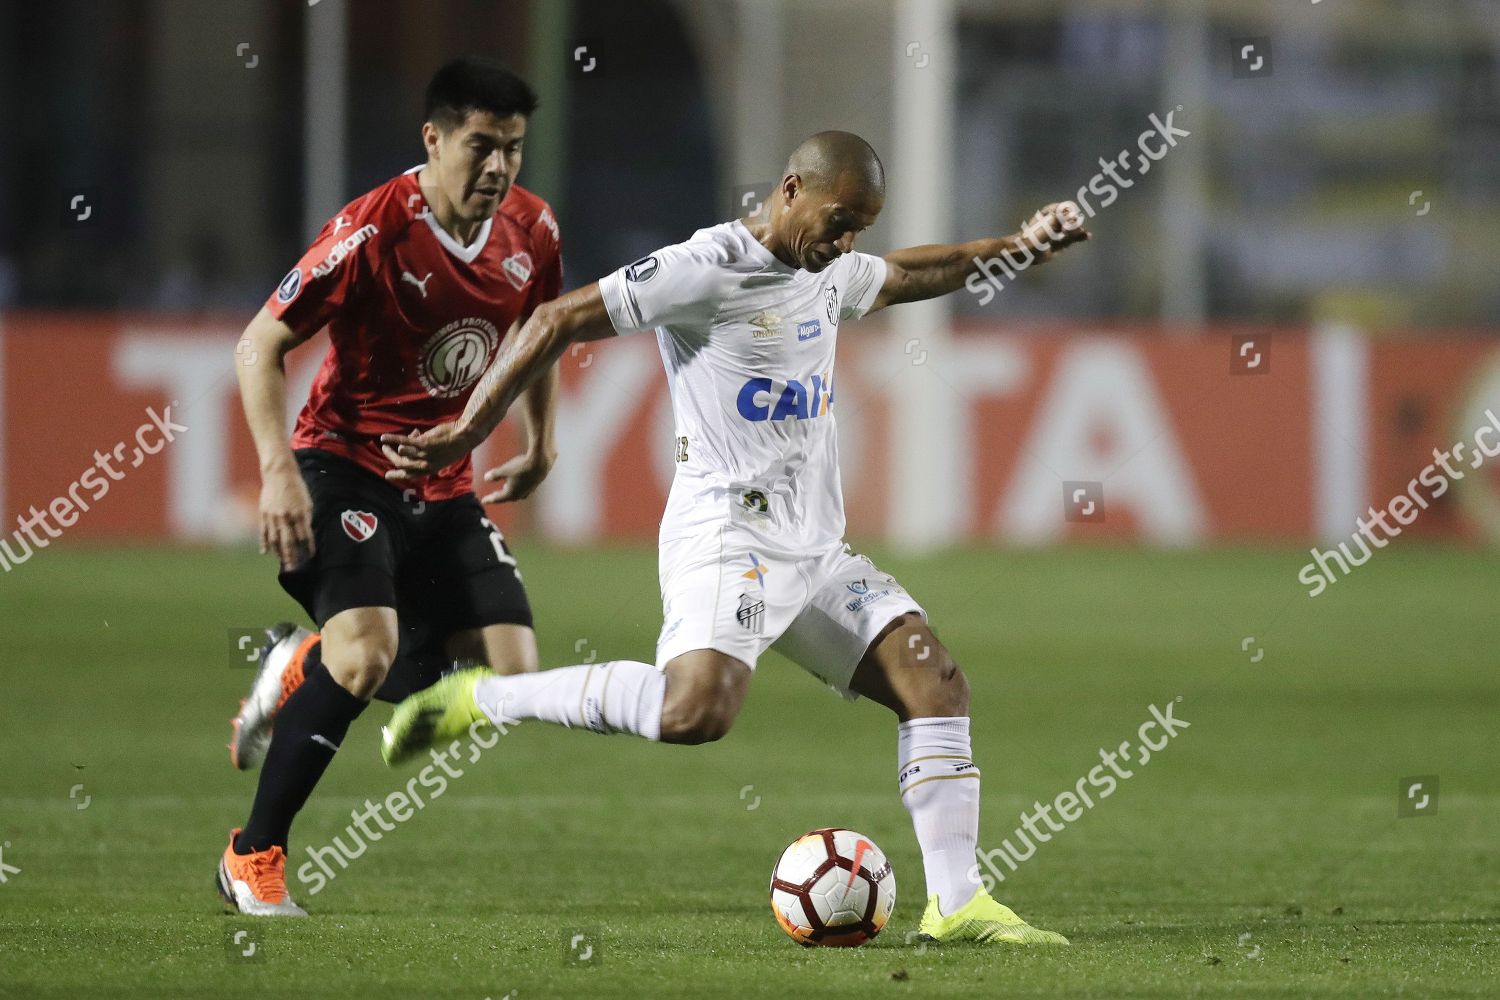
[
  {"x": 615, "y": 696},
  {"x": 504, "y": 648},
  {"x": 908, "y": 670}
]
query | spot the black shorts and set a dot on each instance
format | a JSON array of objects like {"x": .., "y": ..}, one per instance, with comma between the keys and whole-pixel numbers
[{"x": 441, "y": 564}]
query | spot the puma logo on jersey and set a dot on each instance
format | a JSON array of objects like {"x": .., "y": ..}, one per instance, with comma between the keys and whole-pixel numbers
[{"x": 421, "y": 285}]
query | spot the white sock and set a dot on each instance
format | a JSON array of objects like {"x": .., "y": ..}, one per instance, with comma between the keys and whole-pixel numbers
[
  {"x": 618, "y": 696},
  {"x": 940, "y": 788}
]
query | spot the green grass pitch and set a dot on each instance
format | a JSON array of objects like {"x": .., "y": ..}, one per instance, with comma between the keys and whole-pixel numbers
[{"x": 1259, "y": 855}]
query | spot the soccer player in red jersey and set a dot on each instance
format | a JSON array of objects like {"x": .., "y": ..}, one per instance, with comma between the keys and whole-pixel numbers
[{"x": 418, "y": 282}]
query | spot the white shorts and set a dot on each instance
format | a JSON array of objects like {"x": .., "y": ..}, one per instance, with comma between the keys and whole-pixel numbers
[{"x": 720, "y": 590}]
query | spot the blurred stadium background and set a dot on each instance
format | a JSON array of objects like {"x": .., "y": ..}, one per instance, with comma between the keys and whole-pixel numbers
[
  {"x": 169, "y": 159},
  {"x": 1275, "y": 325}
]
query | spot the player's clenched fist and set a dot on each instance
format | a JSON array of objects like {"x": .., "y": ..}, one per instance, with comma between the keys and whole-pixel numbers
[
  {"x": 286, "y": 517},
  {"x": 1056, "y": 226}
]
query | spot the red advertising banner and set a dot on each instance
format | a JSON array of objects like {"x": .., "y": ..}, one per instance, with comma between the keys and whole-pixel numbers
[{"x": 129, "y": 427}]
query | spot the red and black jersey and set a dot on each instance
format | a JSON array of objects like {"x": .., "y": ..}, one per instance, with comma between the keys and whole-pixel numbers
[{"x": 414, "y": 318}]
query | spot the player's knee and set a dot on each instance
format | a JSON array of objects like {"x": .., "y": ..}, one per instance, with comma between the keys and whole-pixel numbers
[
  {"x": 702, "y": 700},
  {"x": 692, "y": 725},
  {"x": 359, "y": 665}
]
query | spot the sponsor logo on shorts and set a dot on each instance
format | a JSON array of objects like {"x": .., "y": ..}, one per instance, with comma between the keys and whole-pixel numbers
[
  {"x": 751, "y": 614},
  {"x": 757, "y": 570},
  {"x": 359, "y": 525},
  {"x": 865, "y": 597},
  {"x": 290, "y": 286}
]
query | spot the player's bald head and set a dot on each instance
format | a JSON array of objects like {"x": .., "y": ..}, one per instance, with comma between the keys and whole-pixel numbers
[
  {"x": 833, "y": 190},
  {"x": 829, "y": 161}
]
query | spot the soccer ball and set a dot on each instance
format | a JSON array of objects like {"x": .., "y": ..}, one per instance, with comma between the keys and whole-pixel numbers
[{"x": 832, "y": 887}]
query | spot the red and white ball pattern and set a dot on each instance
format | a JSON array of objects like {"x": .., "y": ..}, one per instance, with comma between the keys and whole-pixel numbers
[{"x": 832, "y": 887}]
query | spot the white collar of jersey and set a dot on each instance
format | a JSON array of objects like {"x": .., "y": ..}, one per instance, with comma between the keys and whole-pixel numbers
[{"x": 457, "y": 249}]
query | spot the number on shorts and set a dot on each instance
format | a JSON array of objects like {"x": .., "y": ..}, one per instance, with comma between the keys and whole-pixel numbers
[{"x": 498, "y": 541}]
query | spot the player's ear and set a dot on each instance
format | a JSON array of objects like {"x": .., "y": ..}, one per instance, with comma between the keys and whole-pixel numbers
[
  {"x": 430, "y": 137},
  {"x": 790, "y": 185}
]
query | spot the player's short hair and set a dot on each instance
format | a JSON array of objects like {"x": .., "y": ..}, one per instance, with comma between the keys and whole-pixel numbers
[{"x": 474, "y": 83}]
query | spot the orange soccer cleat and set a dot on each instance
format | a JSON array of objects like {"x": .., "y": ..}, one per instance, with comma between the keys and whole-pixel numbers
[{"x": 255, "y": 883}]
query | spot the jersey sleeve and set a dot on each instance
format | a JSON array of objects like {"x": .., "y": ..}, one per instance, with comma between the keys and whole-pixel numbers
[
  {"x": 675, "y": 286},
  {"x": 864, "y": 275},
  {"x": 324, "y": 279},
  {"x": 546, "y": 239}
]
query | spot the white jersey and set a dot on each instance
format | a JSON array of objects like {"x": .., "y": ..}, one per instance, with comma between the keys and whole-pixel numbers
[{"x": 748, "y": 344}]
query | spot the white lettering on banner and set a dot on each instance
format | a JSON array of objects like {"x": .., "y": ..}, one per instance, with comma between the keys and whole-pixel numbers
[
  {"x": 1339, "y": 362},
  {"x": 967, "y": 373},
  {"x": 195, "y": 374},
  {"x": 591, "y": 420},
  {"x": 1103, "y": 390}
]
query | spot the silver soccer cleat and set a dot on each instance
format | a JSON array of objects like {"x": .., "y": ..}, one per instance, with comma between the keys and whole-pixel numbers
[{"x": 252, "y": 726}]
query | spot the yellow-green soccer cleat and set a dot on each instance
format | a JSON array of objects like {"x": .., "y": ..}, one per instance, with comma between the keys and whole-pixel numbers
[
  {"x": 983, "y": 921},
  {"x": 438, "y": 715}
]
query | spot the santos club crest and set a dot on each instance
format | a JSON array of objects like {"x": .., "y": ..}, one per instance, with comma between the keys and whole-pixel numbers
[
  {"x": 359, "y": 525},
  {"x": 455, "y": 356}
]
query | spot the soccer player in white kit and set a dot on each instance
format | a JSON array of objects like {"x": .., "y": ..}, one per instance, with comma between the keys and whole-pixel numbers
[{"x": 752, "y": 551}]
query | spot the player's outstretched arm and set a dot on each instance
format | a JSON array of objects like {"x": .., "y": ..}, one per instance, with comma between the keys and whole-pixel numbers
[
  {"x": 579, "y": 315},
  {"x": 926, "y": 272}
]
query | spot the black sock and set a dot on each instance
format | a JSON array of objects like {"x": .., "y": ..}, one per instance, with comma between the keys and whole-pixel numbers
[{"x": 318, "y": 710}]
